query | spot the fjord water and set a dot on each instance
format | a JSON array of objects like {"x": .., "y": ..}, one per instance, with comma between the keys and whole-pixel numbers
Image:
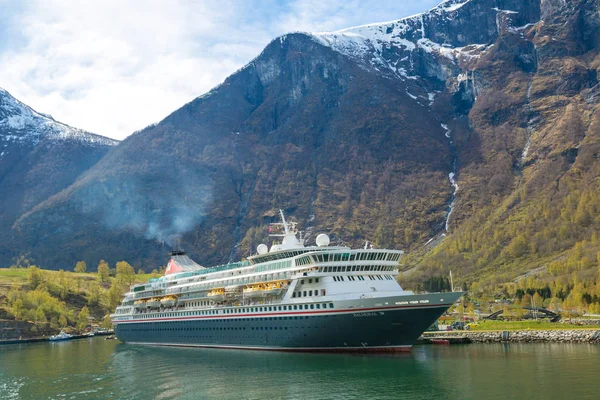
[{"x": 99, "y": 369}]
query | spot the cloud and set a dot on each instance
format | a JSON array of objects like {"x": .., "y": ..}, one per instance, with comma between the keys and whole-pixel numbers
[{"x": 113, "y": 67}]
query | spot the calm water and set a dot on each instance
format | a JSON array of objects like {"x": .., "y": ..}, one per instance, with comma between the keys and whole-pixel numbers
[{"x": 107, "y": 369}]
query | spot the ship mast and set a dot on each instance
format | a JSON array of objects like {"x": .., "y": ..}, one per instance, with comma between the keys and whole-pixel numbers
[{"x": 289, "y": 239}]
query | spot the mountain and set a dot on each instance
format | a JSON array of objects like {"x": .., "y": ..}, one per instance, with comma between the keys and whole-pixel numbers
[
  {"x": 466, "y": 134},
  {"x": 39, "y": 157}
]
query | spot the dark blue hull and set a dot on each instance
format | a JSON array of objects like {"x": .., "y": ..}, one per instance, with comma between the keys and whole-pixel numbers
[{"x": 375, "y": 329}]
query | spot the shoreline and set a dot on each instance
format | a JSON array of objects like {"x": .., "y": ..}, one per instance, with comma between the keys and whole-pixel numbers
[
  {"x": 582, "y": 335},
  {"x": 47, "y": 339}
]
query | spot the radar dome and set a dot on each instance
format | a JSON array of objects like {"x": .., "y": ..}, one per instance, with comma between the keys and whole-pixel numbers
[
  {"x": 322, "y": 240},
  {"x": 262, "y": 249}
]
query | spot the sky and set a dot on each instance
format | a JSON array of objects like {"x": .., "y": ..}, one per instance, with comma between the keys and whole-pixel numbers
[{"x": 115, "y": 67}]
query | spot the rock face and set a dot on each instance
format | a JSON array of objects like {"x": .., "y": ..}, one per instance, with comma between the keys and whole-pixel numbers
[
  {"x": 39, "y": 157},
  {"x": 442, "y": 123}
]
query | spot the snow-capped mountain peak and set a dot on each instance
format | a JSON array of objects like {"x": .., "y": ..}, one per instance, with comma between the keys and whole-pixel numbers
[
  {"x": 457, "y": 30},
  {"x": 21, "y": 123}
]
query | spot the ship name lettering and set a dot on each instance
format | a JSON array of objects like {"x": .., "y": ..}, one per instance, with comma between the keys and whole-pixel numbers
[{"x": 365, "y": 314}]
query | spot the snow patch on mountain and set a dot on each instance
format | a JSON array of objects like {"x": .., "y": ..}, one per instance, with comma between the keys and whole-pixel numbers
[
  {"x": 369, "y": 43},
  {"x": 21, "y": 123}
]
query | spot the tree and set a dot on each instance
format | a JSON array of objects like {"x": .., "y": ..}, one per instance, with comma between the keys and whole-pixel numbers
[
  {"x": 35, "y": 276},
  {"x": 83, "y": 318},
  {"x": 62, "y": 321},
  {"x": 125, "y": 272},
  {"x": 93, "y": 294},
  {"x": 64, "y": 283},
  {"x": 17, "y": 309},
  {"x": 103, "y": 271},
  {"x": 106, "y": 323},
  {"x": 40, "y": 316},
  {"x": 537, "y": 300},
  {"x": 22, "y": 261},
  {"x": 115, "y": 294},
  {"x": 80, "y": 267}
]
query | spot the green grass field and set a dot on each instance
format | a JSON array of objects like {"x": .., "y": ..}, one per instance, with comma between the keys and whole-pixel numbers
[
  {"x": 523, "y": 325},
  {"x": 9, "y": 276},
  {"x": 12, "y": 276}
]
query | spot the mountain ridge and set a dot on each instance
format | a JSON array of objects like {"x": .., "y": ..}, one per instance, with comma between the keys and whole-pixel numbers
[
  {"x": 17, "y": 117},
  {"x": 462, "y": 146},
  {"x": 39, "y": 157}
]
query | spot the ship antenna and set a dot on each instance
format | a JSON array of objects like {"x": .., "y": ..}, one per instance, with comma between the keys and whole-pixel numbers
[{"x": 285, "y": 225}]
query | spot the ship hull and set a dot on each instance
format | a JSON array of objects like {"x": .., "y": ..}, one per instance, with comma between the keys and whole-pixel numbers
[{"x": 390, "y": 328}]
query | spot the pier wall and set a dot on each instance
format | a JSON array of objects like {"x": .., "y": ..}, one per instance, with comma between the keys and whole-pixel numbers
[
  {"x": 524, "y": 336},
  {"x": 10, "y": 329}
]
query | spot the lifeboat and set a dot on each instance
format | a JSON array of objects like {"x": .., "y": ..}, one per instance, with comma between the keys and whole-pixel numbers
[
  {"x": 217, "y": 294},
  {"x": 254, "y": 290},
  {"x": 140, "y": 304},
  {"x": 233, "y": 291},
  {"x": 168, "y": 301},
  {"x": 274, "y": 288},
  {"x": 154, "y": 302}
]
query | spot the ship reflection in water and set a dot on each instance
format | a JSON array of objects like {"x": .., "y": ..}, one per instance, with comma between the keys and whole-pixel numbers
[{"x": 183, "y": 372}]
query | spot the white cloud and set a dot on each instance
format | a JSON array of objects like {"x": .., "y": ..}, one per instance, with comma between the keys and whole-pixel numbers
[{"x": 113, "y": 67}]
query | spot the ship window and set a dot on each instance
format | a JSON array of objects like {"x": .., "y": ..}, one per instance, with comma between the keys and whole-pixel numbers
[
  {"x": 302, "y": 281},
  {"x": 316, "y": 280},
  {"x": 310, "y": 292},
  {"x": 323, "y": 292},
  {"x": 304, "y": 293},
  {"x": 318, "y": 306},
  {"x": 330, "y": 305},
  {"x": 293, "y": 294},
  {"x": 295, "y": 307},
  {"x": 310, "y": 281}
]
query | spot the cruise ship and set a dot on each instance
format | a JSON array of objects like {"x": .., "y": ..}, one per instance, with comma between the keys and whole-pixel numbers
[{"x": 288, "y": 297}]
